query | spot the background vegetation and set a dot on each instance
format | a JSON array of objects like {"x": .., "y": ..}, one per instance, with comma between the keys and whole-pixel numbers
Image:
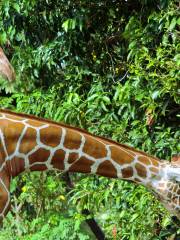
[{"x": 111, "y": 67}]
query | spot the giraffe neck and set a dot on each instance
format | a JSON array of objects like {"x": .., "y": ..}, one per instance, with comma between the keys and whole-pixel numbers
[
  {"x": 33, "y": 144},
  {"x": 30, "y": 143}
]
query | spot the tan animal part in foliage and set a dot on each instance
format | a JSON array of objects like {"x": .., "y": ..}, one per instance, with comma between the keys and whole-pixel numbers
[
  {"x": 175, "y": 160},
  {"x": 6, "y": 69}
]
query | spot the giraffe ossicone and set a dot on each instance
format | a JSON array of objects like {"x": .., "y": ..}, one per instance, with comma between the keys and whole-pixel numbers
[{"x": 28, "y": 143}]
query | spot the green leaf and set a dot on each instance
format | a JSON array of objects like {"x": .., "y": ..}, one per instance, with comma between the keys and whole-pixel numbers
[
  {"x": 65, "y": 25},
  {"x": 16, "y": 7},
  {"x": 3, "y": 38},
  {"x": 172, "y": 24},
  {"x": 177, "y": 59},
  {"x": 92, "y": 97},
  {"x": 155, "y": 94},
  {"x": 73, "y": 23},
  {"x": 104, "y": 106},
  {"x": 106, "y": 99},
  {"x": 178, "y": 21}
]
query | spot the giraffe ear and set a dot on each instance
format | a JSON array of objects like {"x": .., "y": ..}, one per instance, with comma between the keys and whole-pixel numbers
[{"x": 175, "y": 160}]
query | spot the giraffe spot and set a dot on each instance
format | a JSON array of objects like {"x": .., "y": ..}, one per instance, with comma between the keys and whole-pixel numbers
[
  {"x": 127, "y": 172},
  {"x": 40, "y": 155},
  {"x": 178, "y": 191},
  {"x": 144, "y": 159},
  {"x": 120, "y": 155},
  {"x": 141, "y": 170},
  {"x": 83, "y": 165},
  {"x": 169, "y": 195},
  {"x": 35, "y": 123},
  {"x": 73, "y": 157},
  {"x": 175, "y": 188},
  {"x": 2, "y": 153},
  {"x": 38, "y": 167},
  {"x": 175, "y": 200},
  {"x": 107, "y": 169},
  {"x": 58, "y": 159},
  {"x": 28, "y": 142},
  {"x": 16, "y": 165},
  {"x": 95, "y": 148},
  {"x": 12, "y": 132},
  {"x": 154, "y": 170},
  {"x": 51, "y": 136},
  {"x": 171, "y": 187},
  {"x": 155, "y": 162},
  {"x": 72, "y": 139}
]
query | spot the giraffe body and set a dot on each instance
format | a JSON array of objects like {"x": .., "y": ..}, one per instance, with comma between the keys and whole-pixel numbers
[{"x": 28, "y": 143}]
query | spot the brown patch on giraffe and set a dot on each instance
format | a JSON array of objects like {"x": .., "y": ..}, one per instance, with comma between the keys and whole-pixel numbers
[
  {"x": 175, "y": 160},
  {"x": 178, "y": 191},
  {"x": 73, "y": 157},
  {"x": 171, "y": 187},
  {"x": 39, "y": 167},
  {"x": 169, "y": 195},
  {"x": 35, "y": 123},
  {"x": 94, "y": 147},
  {"x": 127, "y": 172},
  {"x": 16, "y": 165},
  {"x": 120, "y": 156},
  {"x": 155, "y": 162},
  {"x": 14, "y": 117},
  {"x": 72, "y": 139},
  {"x": 2, "y": 153},
  {"x": 107, "y": 169},
  {"x": 51, "y": 136},
  {"x": 175, "y": 200},
  {"x": 141, "y": 170},
  {"x": 83, "y": 165},
  {"x": 175, "y": 188},
  {"x": 154, "y": 170},
  {"x": 12, "y": 131},
  {"x": 58, "y": 159},
  {"x": 40, "y": 155},
  {"x": 144, "y": 159},
  {"x": 28, "y": 141}
]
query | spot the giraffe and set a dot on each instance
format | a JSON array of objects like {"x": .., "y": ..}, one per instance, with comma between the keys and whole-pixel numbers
[
  {"x": 29, "y": 143},
  {"x": 6, "y": 69}
]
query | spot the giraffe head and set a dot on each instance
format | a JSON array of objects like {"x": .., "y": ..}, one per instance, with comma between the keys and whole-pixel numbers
[{"x": 167, "y": 187}]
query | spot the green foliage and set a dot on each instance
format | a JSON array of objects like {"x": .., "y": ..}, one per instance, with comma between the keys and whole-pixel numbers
[{"x": 111, "y": 68}]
